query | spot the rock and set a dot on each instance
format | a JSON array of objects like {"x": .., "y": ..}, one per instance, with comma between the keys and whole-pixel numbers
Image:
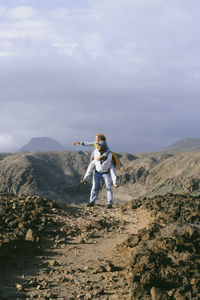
[
  {"x": 167, "y": 256},
  {"x": 110, "y": 267},
  {"x": 131, "y": 241},
  {"x": 100, "y": 269},
  {"x": 99, "y": 292},
  {"x": 53, "y": 263},
  {"x": 19, "y": 287},
  {"x": 21, "y": 226},
  {"x": 156, "y": 294},
  {"x": 29, "y": 236}
]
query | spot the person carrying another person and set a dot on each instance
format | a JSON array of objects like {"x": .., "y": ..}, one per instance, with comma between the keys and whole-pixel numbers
[
  {"x": 102, "y": 170},
  {"x": 100, "y": 137}
]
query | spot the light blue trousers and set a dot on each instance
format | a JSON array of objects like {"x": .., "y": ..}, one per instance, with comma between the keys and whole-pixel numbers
[{"x": 95, "y": 186}]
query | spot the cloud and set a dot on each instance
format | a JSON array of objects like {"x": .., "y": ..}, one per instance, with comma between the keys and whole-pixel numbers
[
  {"x": 3, "y": 11},
  {"x": 5, "y": 53},
  {"x": 127, "y": 68},
  {"x": 7, "y": 142},
  {"x": 21, "y": 12}
]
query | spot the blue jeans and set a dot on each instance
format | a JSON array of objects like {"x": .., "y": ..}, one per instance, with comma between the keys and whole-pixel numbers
[{"x": 95, "y": 186}]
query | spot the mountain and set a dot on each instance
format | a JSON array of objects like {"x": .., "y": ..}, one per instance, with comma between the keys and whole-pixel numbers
[
  {"x": 42, "y": 144},
  {"x": 57, "y": 175},
  {"x": 187, "y": 144}
]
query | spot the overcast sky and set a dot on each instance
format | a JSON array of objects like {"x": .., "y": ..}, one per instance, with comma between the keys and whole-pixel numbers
[{"x": 72, "y": 68}]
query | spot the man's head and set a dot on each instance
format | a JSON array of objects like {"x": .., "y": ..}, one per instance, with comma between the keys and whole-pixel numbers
[{"x": 101, "y": 146}]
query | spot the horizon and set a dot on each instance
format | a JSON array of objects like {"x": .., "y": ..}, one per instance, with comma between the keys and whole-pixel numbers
[
  {"x": 70, "y": 69},
  {"x": 88, "y": 148}
]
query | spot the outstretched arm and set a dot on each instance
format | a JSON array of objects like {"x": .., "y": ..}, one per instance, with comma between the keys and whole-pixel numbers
[
  {"x": 83, "y": 143},
  {"x": 76, "y": 143}
]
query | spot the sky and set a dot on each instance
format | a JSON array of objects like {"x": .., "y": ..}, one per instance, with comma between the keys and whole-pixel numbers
[{"x": 72, "y": 68}]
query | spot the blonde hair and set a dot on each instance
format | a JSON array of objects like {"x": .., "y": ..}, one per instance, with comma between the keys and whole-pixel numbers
[{"x": 101, "y": 136}]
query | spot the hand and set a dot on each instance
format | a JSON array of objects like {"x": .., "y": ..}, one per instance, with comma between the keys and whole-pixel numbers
[
  {"x": 100, "y": 157},
  {"x": 76, "y": 143}
]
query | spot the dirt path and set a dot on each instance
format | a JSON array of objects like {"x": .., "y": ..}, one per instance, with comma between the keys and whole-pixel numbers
[{"x": 80, "y": 258}]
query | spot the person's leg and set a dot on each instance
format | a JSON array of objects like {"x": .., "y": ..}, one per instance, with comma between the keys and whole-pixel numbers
[
  {"x": 89, "y": 170},
  {"x": 113, "y": 175},
  {"x": 95, "y": 186},
  {"x": 107, "y": 180}
]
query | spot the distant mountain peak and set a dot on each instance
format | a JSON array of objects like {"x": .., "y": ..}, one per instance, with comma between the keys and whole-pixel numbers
[
  {"x": 42, "y": 144},
  {"x": 186, "y": 144}
]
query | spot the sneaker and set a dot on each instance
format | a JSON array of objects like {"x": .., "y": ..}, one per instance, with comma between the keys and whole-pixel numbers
[
  {"x": 83, "y": 181},
  {"x": 90, "y": 204},
  {"x": 109, "y": 206},
  {"x": 116, "y": 185}
]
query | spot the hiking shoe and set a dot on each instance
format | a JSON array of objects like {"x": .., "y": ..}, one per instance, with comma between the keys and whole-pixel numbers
[
  {"x": 109, "y": 206},
  {"x": 83, "y": 181},
  {"x": 116, "y": 185},
  {"x": 90, "y": 204}
]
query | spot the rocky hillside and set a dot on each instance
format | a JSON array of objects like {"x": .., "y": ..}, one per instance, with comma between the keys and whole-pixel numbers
[
  {"x": 160, "y": 173},
  {"x": 52, "y": 174},
  {"x": 3, "y": 155},
  {"x": 57, "y": 175}
]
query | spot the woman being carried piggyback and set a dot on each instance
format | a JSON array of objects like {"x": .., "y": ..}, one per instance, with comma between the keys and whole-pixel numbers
[{"x": 100, "y": 138}]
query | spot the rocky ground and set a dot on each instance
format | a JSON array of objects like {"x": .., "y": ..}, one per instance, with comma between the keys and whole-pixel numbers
[
  {"x": 144, "y": 249},
  {"x": 65, "y": 252},
  {"x": 165, "y": 261}
]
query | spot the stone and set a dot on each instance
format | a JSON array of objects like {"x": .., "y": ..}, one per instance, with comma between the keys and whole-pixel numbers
[
  {"x": 156, "y": 294},
  {"x": 29, "y": 236},
  {"x": 53, "y": 263},
  {"x": 19, "y": 287}
]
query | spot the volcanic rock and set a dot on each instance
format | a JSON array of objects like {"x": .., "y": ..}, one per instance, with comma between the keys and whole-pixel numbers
[{"x": 166, "y": 255}]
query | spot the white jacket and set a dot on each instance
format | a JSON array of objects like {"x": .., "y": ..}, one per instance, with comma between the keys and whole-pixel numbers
[{"x": 99, "y": 166}]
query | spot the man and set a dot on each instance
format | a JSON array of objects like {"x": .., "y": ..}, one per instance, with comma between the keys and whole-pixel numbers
[
  {"x": 98, "y": 138},
  {"x": 102, "y": 170}
]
